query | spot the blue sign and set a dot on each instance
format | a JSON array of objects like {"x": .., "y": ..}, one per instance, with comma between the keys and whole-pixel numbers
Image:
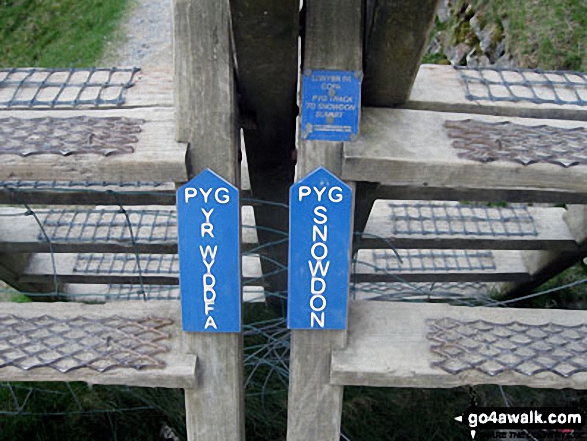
[
  {"x": 331, "y": 104},
  {"x": 208, "y": 219},
  {"x": 319, "y": 252}
]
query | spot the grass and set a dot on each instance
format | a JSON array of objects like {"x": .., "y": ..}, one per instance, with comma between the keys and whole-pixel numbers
[
  {"x": 56, "y": 33},
  {"x": 549, "y": 34}
]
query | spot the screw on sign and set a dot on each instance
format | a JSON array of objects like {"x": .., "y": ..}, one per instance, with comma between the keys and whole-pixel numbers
[
  {"x": 319, "y": 252},
  {"x": 208, "y": 220}
]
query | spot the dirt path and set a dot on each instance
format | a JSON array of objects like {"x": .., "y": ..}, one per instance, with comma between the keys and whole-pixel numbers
[{"x": 146, "y": 36}]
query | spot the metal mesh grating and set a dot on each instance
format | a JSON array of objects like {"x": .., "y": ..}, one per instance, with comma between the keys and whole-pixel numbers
[
  {"x": 138, "y": 292},
  {"x": 37, "y": 87},
  {"x": 495, "y": 348},
  {"x": 408, "y": 291},
  {"x": 148, "y": 226},
  {"x": 529, "y": 85},
  {"x": 504, "y": 141},
  {"x": 81, "y": 342},
  {"x": 433, "y": 260},
  {"x": 450, "y": 219},
  {"x": 67, "y": 136},
  {"x": 116, "y": 263}
]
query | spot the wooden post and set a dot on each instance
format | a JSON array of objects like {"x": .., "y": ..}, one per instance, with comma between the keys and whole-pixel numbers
[
  {"x": 396, "y": 34},
  {"x": 206, "y": 116},
  {"x": 332, "y": 41},
  {"x": 266, "y": 40}
]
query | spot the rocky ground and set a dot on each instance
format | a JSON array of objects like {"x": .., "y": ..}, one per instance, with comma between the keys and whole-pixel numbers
[{"x": 464, "y": 36}]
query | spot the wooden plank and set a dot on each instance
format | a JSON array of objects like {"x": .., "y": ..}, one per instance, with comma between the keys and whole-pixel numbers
[
  {"x": 413, "y": 148},
  {"x": 117, "y": 268},
  {"x": 398, "y": 191},
  {"x": 102, "y": 229},
  {"x": 440, "y": 88},
  {"x": 332, "y": 40},
  {"x": 439, "y": 266},
  {"x": 180, "y": 367},
  {"x": 396, "y": 35},
  {"x": 450, "y": 225},
  {"x": 84, "y": 292},
  {"x": 388, "y": 346},
  {"x": 543, "y": 265},
  {"x": 155, "y": 145},
  {"x": 152, "y": 87},
  {"x": 206, "y": 110}
]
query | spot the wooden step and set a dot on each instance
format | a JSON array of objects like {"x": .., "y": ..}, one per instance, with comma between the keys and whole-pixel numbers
[
  {"x": 75, "y": 88},
  {"x": 460, "y": 293},
  {"x": 505, "y": 92},
  {"x": 452, "y": 225},
  {"x": 447, "y": 150},
  {"x": 110, "y": 145},
  {"x": 383, "y": 265},
  {"x": 103, "y": 229},
  {"x": 82, "y": 292},
  {"x": 439, "y": 346},
  {"x": 118, "y": 268},
  {"x": 138, "y": 344}
]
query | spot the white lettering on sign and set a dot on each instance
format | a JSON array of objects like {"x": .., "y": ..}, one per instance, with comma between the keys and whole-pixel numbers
[
  {"x": 208, "y": 253},
  {"x": 221, "y": 194},
  {"x": 334, "y": 194},
  {"x": 319, "y": 251}
]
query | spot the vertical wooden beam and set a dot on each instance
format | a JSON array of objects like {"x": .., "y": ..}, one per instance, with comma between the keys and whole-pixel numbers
[
  {"x": 207, "y": 118},
  {"x": 266, "y": 40},
  {"x": 332, "y": 41},
  {"x": 543, "y": 265},
  {"x": 396, "y": 34}
]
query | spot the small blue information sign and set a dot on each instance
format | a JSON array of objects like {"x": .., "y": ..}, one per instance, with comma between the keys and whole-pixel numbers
[
  {"x": 331, "y": 104},
  {"x": 319, "y": 252},
  {"x": 208, "y": 221}
]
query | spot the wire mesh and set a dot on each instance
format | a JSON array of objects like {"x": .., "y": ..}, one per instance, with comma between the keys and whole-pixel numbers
[
  {"x": 40, "y": 87},
  {"x": 452, "y": 219},
  {"x": 506, "y": 141},
  {"x": 433, "y": 260},
  {"x": 524, "y": 85}
]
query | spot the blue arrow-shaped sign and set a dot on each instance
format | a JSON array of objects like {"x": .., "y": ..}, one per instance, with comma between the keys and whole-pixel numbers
[
  {"x": 319, "y": 252},
  {"x": 208, "y": 219}
]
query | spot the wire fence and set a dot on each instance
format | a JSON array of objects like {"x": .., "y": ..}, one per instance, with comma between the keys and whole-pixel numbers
[{"x": 127, "y": 249}]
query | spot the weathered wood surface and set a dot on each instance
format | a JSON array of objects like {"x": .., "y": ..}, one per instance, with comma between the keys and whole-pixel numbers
[
  {"x": 439, "y": 88},
  {"x": 399, "y": 191},
  {"x": 117, "y": 268},
  {"x": 413, "y": 148},
  {"x": 153, "y": 87},
  {"x": 387, "y": 346},
  {"x": 179, "y": 372},
  {"x": 543, "y": 265},
  {"x": 102, "y": 229},
  {"x": 206, "y": 118},
  {"x": 396, "y": 35},
  {"x": 155, "y": 146},
  {"x": 440, "y": 266},
  {"x": 83, "y": 292},
  {"x": 333, "y": 40},
  {"x": 420, "y": 228}
]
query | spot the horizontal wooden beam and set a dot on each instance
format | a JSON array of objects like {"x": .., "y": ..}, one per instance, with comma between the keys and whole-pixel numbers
[
  {"x": 442, "y": 89},
  {"x": 102, "y": 229},
  {"x": 389, "y": 346},
  {"x": 439, "y": 266},
  {"x": 450, "y": 225},
  {"x": 414, "y": 148},
  {"x": 178, "y": 372}
]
